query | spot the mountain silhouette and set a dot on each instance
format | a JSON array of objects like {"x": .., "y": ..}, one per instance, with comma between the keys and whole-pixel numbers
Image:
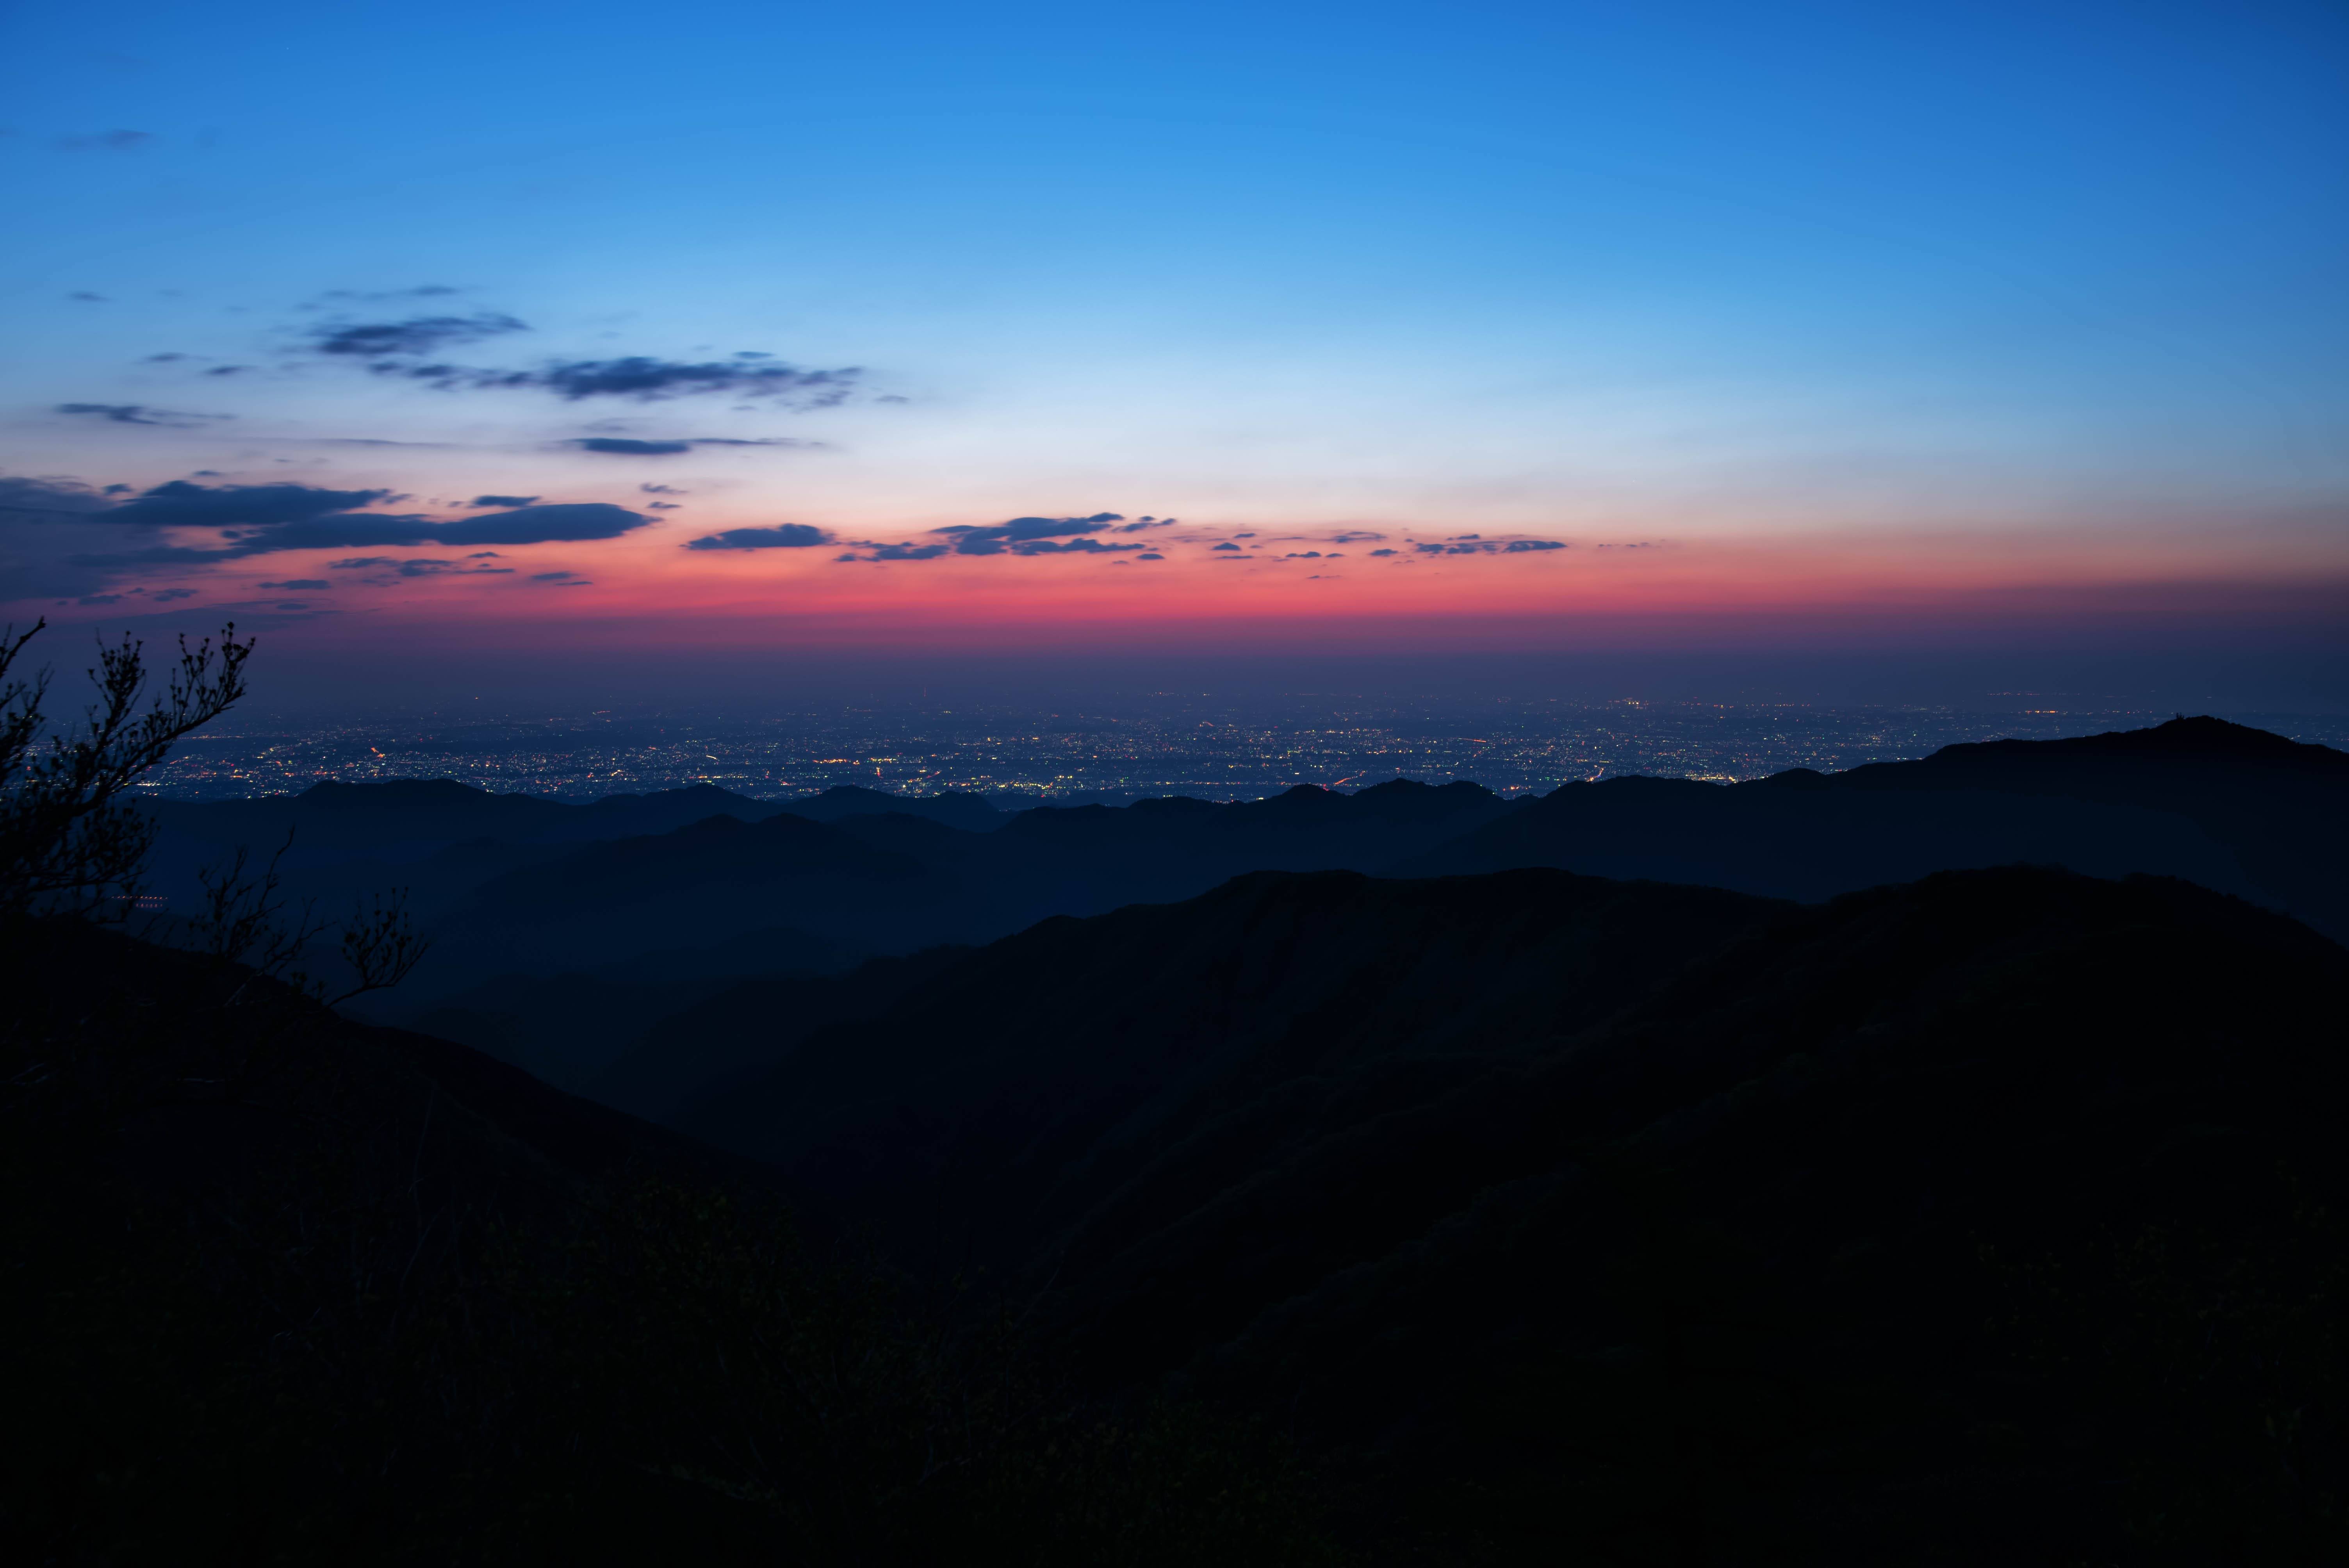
[
  {"x": 1750, "y": 1231},
  {"x": 1049, "y": 1193},
  {"x": 2233, "y": 809},
  {"x": 667, "y": 889}
]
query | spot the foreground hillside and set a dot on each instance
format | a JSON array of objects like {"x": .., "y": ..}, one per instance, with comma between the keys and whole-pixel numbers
[
  {"x": 1994, "y": 1217},
  {"x": 282, "y": 1288},
  {"x": 1520, "y": 1217}
]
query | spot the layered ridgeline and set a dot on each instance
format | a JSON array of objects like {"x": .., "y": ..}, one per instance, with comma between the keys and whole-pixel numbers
[
  {"x": 566, "y": 933},
  {"x": 1995, "y": 1217},
  {"x": 1516, "y": 1218}
]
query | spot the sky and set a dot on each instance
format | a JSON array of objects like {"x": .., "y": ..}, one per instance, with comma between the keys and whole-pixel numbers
[{"x": 543, "y": 347}]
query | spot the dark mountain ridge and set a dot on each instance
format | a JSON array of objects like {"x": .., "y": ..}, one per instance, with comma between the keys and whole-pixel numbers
[{"x": 1726, "y": 1230}]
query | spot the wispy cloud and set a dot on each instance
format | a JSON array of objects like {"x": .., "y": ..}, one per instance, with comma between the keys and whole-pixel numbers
[{"x": 139, "y": 414}]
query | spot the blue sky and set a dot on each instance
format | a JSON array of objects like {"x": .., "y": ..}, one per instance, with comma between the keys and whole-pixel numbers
[{"x": 2048, "y": 278}]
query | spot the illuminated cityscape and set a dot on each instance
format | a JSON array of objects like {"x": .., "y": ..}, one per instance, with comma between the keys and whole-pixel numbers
[{"x": 1164, "y": 745}]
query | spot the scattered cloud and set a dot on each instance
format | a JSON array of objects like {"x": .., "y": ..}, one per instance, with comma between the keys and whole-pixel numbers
[
  {"x": 297, "y": 585},
  {"x": 662, "y": 490},
  {"x": 86, "y": 297},
  {"x": 783, "y": 536},
  {"x": 1477, "y": 544},
  {"x": 1072, "y": 547},
  {"x": 409, "y": 349},
  {"x": 416, "y": 566},
  {"x": 389, "y": 340},
  {"x": 503, "y": 501},
  {"x": 1383, "y": 552},
  {"x": 897, "y": 552},
  {"x": 1227, "y": 547},
  {"x": 254, "y": 519},
  {"x": 139, "y": 414},
  {"x": 1021, "y": 534}
]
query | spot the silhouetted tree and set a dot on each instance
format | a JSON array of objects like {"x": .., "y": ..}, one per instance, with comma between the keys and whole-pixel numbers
[{"x": 68, "y": 841}]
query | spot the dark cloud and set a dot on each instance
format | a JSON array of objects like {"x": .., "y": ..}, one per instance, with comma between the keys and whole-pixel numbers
[
  {"x": 1153, "y": 555},
  {"x": 257, "y": 519},
  {"x": 105, "y": 141},
  {"x": 417, "y": 566},
  {"x": 662, "y": 506},
  {"x": 389, "y": 341},
  {"x": 618, "y": 446},
  {"x": 1302, "y": 555},
  {"x": 57, "y": 497},
  {"x": 47, "y": 527},
  {"x": 575, "y": 521},
  {"x": 502, "y": 501},
  {"x": 86, "y": 297},
  {"x": 1073, "y": 547},
  {"x": 180, "y": 504},
  {"x": 297, "y": 585},
  {"x": 1356, "y": 536},
  {"x": 897, "y": 552},
  {"x": 1477, "y": 544},
  {"x": 139, "y": 414},
  {"x": 648, "y": 379},
  {"x": 406, "y": 348},
  {"x": 783, "y": 536},
  {"x": 1382, "y": 552},
  {"x": 636, "y": 377},
  {"x": 972, "y": 539},
  {"x": 165, "y": 595},
  {"x": 560, "y": 579},
  {"x": 1227, "y": 547},
  {"x": 228, "y": 370},
  {"x": 662, "y": 490}
]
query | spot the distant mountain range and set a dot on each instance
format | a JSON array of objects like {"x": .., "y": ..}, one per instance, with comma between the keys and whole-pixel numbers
[{"x": 564, "y": 932}]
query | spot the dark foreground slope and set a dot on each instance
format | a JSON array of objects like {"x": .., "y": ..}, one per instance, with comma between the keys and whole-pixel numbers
[
  {"x": 281, "y": 1288},
  {"x": 1994, "y": 1217}
]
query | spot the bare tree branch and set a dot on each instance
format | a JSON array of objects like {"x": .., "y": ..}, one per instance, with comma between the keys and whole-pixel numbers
[
  {"x": 380, "y": 944},
  {"x": 67, "y": 841}
]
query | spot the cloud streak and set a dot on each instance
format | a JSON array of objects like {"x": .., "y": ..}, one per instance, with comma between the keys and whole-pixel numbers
[
  {"x": 139, "y": 414},
  {"x": 408, "y": 350},
  {"x": 783, "y": 536}
]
